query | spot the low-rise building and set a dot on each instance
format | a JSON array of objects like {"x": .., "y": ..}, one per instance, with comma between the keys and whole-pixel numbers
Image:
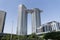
[{"x": 49, "y": 27}]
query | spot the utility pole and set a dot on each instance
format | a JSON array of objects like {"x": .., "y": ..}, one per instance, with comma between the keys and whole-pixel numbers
[{"x": 11, "y": 31}]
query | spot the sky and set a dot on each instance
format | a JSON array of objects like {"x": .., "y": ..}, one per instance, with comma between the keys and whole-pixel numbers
[{"x": 50, "y": 8}]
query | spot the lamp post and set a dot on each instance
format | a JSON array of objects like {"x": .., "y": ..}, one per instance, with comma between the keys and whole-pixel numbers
[{"x": 11, "y": 31}]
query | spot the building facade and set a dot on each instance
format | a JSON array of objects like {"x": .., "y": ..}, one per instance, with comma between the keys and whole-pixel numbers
[
  {"x": 49, "y": 27},
  {"x": 22, "y": 19},
  {"x": 2, "y": 20}
]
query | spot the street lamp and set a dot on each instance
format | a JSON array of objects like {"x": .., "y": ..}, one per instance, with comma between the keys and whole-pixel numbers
[{"x": 11, "y": 31}]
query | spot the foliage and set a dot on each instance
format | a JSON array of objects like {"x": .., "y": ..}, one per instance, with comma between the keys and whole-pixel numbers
[
  {"x": 33, "y": 36},
  {"x": 52, "y": 35}
]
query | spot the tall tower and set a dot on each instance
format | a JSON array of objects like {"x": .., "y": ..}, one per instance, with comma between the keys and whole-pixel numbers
[
  {"x": 2, "y": 20},
  {"x": 22, "y": 20},
  {"x": 36, "y": 21}
]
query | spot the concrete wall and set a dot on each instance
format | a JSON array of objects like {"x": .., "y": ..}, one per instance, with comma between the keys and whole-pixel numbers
[{"x": 2, "y": 20}]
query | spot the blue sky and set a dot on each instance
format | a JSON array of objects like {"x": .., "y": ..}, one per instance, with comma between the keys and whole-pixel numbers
[{"x": 51, "y": 12}]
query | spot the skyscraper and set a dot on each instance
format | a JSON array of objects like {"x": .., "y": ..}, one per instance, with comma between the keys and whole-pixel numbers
[
  {"x": 36, "y": 22},
  {"x": 2, "y": 20},
  {"x": 22, "y": 19}
]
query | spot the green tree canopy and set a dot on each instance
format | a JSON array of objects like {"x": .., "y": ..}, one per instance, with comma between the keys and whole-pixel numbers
[{"x": 52, "y": 35}]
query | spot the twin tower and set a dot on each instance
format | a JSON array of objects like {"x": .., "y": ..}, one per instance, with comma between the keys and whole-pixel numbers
[{"x": 22, "y": 20}]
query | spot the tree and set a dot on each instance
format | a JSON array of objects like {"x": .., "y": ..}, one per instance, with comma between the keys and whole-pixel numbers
[
  {"x": 33, "y": 36},
  {"x": 52, "y": 35}
]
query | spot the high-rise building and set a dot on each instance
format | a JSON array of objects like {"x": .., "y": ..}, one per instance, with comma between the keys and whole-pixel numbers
[
  {"x": 2, "y": 20},
  {"x": 36, "y": 21},
  {"x": 22, "y": 19}
]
